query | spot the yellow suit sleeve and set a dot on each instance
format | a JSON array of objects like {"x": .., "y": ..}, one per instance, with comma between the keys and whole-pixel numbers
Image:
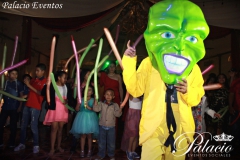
[{"x": 134, "y": 80}]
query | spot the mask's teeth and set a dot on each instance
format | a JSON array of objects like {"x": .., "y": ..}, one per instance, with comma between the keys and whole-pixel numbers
[{"x": 175, "y": 64}]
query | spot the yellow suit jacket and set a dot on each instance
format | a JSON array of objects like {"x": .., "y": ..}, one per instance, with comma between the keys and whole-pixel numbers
[{"x": 147, "y": 80}]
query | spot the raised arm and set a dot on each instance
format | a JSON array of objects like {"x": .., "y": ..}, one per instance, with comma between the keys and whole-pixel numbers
[{"x": 134, "y": 80}]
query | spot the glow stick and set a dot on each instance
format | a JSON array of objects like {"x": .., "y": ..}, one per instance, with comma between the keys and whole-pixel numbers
[
  {"x": 11, "y": 96},
  {"x": 78, "y": 73},
  {"x": 58, "y": 93},
  {"x": 50, "y": 69},
  {"x": 96, "y": 69},
  {"x": 14, "y": 50},
  {"x": 14, "y": 66},
  {"x": 3, "y": 64},
  {"x": 208, "y": 69}
]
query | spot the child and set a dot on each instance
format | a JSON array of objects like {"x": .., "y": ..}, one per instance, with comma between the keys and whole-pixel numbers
[
  {"x": 32, "y": 108},
  {"x": 11, "y": 107},
  {"x": 198, "y": 115},
  {"x": 131, "y": 129},
  {"x": 108, "y": 111},
  {"x": 85, "y": 123},
  {"x": 25, "y": 94},
  {"x": 57, "y": 114}
]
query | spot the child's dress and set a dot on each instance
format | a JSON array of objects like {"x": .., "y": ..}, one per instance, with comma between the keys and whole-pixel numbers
[
  {"x": 131, "y": 128},
  {"x": 86, "y": 121},
  {"x": 60, "y": 114},
  {"x": 198, "y": 115}
]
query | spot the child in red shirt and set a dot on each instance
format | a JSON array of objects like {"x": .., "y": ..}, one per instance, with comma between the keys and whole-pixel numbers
[{"x": 32, "y": 108}]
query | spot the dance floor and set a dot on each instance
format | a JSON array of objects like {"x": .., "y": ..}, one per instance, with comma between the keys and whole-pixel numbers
[{"x": 8, "y": 153}]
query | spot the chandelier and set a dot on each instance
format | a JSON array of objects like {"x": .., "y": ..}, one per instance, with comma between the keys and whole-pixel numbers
[{"x": 134, "y": 17}]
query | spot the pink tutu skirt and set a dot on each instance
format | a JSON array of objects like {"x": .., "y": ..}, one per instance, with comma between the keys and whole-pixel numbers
[
  {"x": 60, "y": 114},
  {"x": 131, "y": 127}
]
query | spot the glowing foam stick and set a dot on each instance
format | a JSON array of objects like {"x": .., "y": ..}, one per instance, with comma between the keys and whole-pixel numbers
[
  {"x": 208, "y": 69},
  {"x": 50, "y": 69},
  {"x": 80, "y": 63},
  {"x": 11, "y": 96},
  {"x": 96, "y": 69},
  {"x": 3, "y": 64},
  {"x": 14, "y": 50},
  {"x": 58, "y": 93},
  {"x": 78, "y": 72},
  {"x": 89, "y": 78},
  {"x": 14, "y": 66}
]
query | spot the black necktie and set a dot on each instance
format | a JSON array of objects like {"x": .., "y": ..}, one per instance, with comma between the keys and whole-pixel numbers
[{"x": 170, "y": 120}]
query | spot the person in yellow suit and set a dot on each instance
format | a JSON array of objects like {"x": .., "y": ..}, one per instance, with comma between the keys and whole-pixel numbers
[{"x": 169, "y": 78}]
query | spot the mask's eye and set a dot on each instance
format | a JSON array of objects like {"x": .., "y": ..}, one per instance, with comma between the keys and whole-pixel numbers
[
  {"x": 192, "y": 39},
  {"x": 168, "y": 35}
]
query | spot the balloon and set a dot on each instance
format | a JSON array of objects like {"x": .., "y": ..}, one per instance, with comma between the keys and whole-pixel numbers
[
  {"x": 137, "y": 41},
  {"x": 78, "y": 73},
  {"x": 208, "y": 69},
  {"x": 15, "y": 49},
  {"x": 3, "y": 64},
  {"x": 11, "y": 96},
  {"x": 89, "y": 78},
  {"x": 96, "y": 69},
  {"x": 212, "y": 86},
  {"x": 14, "y": 66},
  {"x": 58, "y": 93},
  {"x": 80, "y": 51},
  {"x": 116, "y": 38},
  {"x": 50, "y": 69},
  {"x": 125, "y": 100},
  {"x": 222, "y": 112},
  {"x": 81, "y": 60},
  {"x": 113, "y": 46}
]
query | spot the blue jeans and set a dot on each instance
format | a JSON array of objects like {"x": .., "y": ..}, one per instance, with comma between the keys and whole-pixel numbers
[
  {"x": 106, "y": 137},
  {"x": 30, "y": 114}
]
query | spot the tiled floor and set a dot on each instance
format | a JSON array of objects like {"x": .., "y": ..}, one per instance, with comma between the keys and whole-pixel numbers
[{"x": 8, "y": 154}]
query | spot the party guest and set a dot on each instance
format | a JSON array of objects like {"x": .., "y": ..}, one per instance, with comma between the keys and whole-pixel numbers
[
  {"x": 32, "y": 108},
  {"x": 11, "y": 107}
]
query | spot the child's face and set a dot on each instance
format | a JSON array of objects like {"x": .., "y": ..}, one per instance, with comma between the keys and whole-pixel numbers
[
  {"x": 221, "y": 79},
  {"x": 26, "y": 79},
  {"x": 90, "y": 91},
  {"x": 13, "y": 75},
  {"x": 39, "y": 72},
  {"x": 63, "y": 79},
  {"x": 109, "y": 95}
]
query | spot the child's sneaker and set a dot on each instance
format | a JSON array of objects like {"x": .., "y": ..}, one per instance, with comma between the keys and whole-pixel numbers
[
  {"x": 129, "y": 155},
  {"x": 135, "y": 155},
  {"x": 19, "y": 147},
  {"x": 35, "y": 149}
]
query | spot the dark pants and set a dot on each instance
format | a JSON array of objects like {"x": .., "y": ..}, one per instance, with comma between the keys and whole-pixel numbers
[
  {"x": 106, "y": 138},
  {"x": 13, "y": 125},
  {"x": 31, "y": 114}
]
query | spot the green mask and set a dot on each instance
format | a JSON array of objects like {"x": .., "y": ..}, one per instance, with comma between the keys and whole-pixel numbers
[{"x": 174, "y": 38}]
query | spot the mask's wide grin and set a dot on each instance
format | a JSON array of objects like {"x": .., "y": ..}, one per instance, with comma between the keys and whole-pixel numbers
[{"x": 175, "y": 64}]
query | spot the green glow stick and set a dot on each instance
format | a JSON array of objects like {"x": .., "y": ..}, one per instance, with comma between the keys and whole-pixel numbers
[
  {"x": 89, "y": 78},
  {"x": 11, "y": 96},
  {"x": 96, "y": 69},
  {"x": 58, "y": 93},
  {"x": 80, "y": 63},
  {"x": 222, "y": 112}
]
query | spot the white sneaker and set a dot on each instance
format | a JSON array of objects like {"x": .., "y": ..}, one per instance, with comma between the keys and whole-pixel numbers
[
  {"x": 35, "y": 149},
  {"x": 19, "y": 147}
]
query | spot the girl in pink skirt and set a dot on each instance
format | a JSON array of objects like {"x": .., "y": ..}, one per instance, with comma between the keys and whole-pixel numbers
[
  {"x": 57, "y": 114},
  {"x": 131, "y": 128}
]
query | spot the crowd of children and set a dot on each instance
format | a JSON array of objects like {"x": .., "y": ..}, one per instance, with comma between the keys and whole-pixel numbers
[{"x": 93, "y": 120}]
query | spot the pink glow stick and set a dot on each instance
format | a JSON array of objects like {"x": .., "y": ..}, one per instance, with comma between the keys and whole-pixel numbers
[
  {"x": 14, "y": 50},
  {"x": 78, "y": 72},
  {"x": 14, "y": 66},
  {"x": 208, "y": 69}
]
